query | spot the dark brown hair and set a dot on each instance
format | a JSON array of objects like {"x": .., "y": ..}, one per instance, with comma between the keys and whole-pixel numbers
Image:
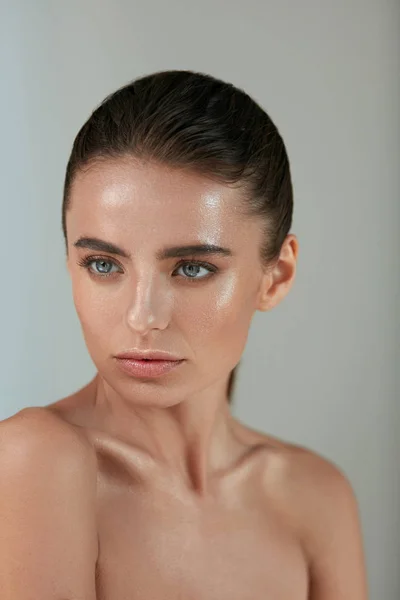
[{"x": 194, "y": 121}]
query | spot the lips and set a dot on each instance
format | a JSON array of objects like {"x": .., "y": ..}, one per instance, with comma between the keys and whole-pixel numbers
[
  {"x": 148, "y": 355},
  {"x": 146, "y": 368}
]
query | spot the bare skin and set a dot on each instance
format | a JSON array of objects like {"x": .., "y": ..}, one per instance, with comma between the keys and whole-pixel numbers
[{"x": 144, "y": 489}]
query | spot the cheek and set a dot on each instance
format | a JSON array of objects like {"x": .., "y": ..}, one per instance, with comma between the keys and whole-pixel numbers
[
  {"x": 222, "y": 318},
  {"x": 95, "y": 309}
]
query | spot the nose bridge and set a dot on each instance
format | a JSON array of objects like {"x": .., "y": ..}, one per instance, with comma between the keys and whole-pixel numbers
[{"x": 151, "y": 302}]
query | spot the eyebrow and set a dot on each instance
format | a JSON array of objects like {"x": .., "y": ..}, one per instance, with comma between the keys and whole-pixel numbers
[{"x": 169, "y": 252}]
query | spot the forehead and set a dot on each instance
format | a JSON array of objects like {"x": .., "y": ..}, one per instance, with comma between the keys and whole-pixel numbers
[{"x": 114, "y": 198}]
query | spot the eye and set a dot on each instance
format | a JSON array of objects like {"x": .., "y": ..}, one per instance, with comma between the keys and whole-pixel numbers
[
  {"x": 191, "y": 269},
  {"x": 103, "y": 266}
]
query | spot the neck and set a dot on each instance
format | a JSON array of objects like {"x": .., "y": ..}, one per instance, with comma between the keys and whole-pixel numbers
[{"x": 196, "y": 437}]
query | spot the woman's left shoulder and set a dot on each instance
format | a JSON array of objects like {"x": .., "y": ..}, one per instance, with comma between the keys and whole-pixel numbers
[
  {"x": 318, "y": 503},
  {"x": 306, "y": 474},
  {"x": 318, "y": 498},
  {"x": 298, "y": 471},
  {"x": 316, "y": 477}
]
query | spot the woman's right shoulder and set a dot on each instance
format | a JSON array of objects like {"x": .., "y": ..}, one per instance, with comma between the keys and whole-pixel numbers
[
  {"x": 36, "y": 430},
  {"x": 49, "y": 540}
]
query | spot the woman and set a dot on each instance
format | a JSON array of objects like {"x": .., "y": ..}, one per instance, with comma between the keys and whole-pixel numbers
[{"x": 176, "y": 216}]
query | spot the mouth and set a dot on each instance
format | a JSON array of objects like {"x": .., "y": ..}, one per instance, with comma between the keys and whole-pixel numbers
[
  {"x": 148, "y": 355},
  {"x": 145, "y": 367}
]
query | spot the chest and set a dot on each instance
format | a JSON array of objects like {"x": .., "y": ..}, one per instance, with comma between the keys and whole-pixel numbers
[{"x": 156, "y": 546}]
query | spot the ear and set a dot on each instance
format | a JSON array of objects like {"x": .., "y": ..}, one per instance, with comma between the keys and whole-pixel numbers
[{"x": 278, "y": 280}]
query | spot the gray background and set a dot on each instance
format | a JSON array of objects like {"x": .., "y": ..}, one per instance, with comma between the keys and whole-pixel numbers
[{"x": 321, "y": 369}]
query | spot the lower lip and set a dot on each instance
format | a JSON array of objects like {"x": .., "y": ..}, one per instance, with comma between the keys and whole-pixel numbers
[{"x": 147, "y": 368}]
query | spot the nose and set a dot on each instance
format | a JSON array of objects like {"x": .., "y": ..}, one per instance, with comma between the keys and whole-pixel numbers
[{"x": 150, "y": 307}]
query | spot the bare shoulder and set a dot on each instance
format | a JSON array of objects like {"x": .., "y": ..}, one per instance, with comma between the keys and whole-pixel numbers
[
  {"x": 307, "y": 473},
  {"x": 304, "y": 481},
  {"x": 47, "y": 508},
  {"x": 37, "y": 429},
  {"x": 295, "y": 469},
  {"x": 318, "y": 502},
  {"x": 319, "y": 488}
]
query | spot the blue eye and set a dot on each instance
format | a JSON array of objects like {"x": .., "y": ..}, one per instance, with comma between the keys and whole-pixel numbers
[
  {"x": 104, "y": 266},
  {"x": 192, "y": 269}
]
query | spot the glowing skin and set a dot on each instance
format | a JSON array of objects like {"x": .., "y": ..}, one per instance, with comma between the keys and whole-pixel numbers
[
  {"x": 167, "y": 496},
  {"x": 147, "y": 303}
]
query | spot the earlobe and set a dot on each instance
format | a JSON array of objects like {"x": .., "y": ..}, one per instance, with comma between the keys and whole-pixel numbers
[
  {"x": 264, "y": 304},
  {"x": 275, "y": 294},
  {"x": 277, "y": 283},
  {"x": 264, "y": 295}
]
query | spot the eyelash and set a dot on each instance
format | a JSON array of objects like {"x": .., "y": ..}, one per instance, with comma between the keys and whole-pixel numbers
[{"x": 87, "y": 261}]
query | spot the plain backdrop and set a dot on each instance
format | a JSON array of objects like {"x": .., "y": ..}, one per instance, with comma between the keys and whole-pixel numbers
[{"x": 321, "y": 369}]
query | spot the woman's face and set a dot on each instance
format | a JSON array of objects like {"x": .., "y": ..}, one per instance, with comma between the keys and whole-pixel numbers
[{"x": 147, "y": 301}]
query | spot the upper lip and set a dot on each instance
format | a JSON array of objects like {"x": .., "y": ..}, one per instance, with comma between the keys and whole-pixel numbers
[{"x": 149, "y": 354}]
